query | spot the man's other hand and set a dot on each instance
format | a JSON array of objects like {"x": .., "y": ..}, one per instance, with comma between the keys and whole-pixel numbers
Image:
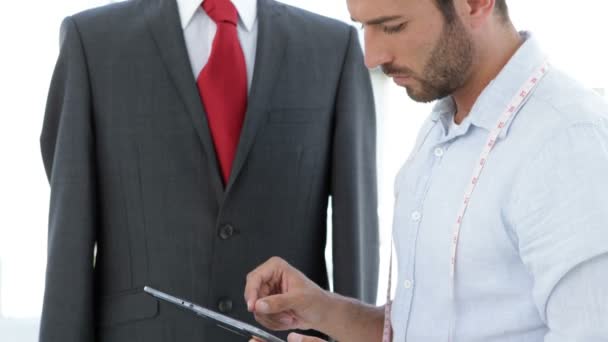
[{"x": 293, "y": 337}]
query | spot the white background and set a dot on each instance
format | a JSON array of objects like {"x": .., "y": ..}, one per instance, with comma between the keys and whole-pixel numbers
[{"x": 574, "y": 34}]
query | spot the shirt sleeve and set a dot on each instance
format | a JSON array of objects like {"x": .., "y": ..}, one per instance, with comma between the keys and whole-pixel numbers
[
  {"x": 578, "y": 308},
  {"x": 560, "y": 218}
]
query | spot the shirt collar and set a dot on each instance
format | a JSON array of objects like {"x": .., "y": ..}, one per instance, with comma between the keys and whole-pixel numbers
[
  {"x": 247, "y": 10},
  {"x": 494, "y": 99}
]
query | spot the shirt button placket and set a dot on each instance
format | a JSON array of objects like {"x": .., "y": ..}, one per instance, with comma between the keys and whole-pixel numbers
[{"x": 415, "y": 217}]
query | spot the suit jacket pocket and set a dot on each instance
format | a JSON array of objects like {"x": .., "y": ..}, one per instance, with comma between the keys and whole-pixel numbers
[
  {"x": 295, "y": 115},
  {"x": 127, "y": 307}
]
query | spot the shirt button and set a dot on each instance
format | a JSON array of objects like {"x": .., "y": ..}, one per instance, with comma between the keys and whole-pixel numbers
[
  {"x": 439, "y": 152},
  {"x": 416, "y": 216},
  {"x": 408, "y": 284},
  {"x": 226, "y": 232}
]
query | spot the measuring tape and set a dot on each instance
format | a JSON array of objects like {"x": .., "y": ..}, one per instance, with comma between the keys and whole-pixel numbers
[{"x": 513, "y": 107}]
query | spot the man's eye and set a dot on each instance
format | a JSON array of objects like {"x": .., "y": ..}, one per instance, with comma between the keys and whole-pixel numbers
[{"x": 394, "y": 28}]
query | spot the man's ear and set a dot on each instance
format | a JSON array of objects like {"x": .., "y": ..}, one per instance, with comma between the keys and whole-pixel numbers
[{"x": 475, "y": 13}]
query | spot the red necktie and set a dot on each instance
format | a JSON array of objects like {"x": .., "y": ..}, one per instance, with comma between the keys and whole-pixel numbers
[{"x": 222, "y": 84}]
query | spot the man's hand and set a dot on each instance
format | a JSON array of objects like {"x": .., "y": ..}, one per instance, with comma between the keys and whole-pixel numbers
[
  {"x": 293, "y": 337},
  {"x": 282, "y": 298}
]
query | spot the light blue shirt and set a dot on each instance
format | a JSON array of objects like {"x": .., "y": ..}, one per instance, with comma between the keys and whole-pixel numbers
[{"x": 532, "y": 262}]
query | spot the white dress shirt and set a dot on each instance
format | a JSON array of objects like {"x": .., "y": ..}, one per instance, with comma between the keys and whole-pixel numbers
[{"x": 199, "y": 31}]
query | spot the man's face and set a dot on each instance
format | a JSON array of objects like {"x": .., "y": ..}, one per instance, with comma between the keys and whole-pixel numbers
[{"x": 414, "y": 44}]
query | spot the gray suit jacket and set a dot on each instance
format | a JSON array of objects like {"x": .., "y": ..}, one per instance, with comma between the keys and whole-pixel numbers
[{"x": 133, "y": 173}]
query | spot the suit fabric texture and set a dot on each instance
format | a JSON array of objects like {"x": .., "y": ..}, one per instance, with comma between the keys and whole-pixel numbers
[{"x": 136, "y": 193}]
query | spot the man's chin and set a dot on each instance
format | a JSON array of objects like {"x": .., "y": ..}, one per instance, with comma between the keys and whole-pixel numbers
[{"x": 420, "y": 97}]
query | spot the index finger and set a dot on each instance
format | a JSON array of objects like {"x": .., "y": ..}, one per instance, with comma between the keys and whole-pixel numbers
[{"x": 263, "y": 274}]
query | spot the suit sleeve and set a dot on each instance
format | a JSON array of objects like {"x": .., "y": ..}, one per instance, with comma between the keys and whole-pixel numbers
[
  {"x": 67, "y": 145},
  {"x": 353, "y": 181}
]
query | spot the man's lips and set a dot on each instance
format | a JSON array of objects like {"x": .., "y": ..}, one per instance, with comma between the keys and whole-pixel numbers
[{"x": 401, "y": 80}]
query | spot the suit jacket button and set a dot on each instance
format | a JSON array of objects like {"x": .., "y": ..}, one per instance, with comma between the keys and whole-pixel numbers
[
  {"x": 226, "y": 232},
  {"x": 225, "y": 305}
]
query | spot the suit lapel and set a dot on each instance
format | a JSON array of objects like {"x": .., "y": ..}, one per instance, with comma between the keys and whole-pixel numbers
[
  {"x": 271, "y": 46},
  {"x": 164, "y": 24}
]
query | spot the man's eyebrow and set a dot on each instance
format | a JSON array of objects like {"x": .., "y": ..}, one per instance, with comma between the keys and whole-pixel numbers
[{"x": 380, "y": 20}]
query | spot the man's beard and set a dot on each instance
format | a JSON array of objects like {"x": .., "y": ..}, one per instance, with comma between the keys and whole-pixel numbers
[{"x": 446, "y": 70}]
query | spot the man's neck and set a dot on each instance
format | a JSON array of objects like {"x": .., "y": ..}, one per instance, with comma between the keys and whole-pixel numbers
[{"x": 493, "y": 54}]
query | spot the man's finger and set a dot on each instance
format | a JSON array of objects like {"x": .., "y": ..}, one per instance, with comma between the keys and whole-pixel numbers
[
  {"x": 278, "y": 303},
  {"x": 277, "y": 322},
  {"x": 293, "y": 337},
  {"x": 255, "y": 281},
  {"x": 264, "y": 274}
]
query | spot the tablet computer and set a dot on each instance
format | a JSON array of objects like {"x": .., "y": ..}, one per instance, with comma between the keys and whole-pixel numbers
[{"x": 228, "y": 323}]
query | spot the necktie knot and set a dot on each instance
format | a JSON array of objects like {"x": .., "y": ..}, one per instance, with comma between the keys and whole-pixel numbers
[{"x": 221, "y": 11}]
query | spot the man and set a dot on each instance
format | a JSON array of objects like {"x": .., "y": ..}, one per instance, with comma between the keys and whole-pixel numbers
[
  {"x": 531, "y": 258},
  {"x": 189, "y": 141}
]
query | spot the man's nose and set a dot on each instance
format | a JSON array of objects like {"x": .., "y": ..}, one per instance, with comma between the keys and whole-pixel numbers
[{"x": 376, "y": 53}]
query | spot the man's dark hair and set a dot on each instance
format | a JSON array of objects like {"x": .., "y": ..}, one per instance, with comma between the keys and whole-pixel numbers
[{"x": 449, "y": 12}]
